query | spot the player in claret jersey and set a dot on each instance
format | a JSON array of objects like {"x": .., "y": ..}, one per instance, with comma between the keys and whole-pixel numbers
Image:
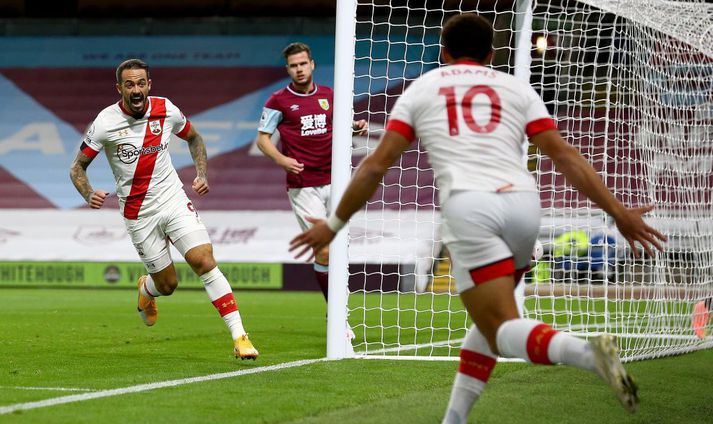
[
  {"x": 474, "y": 122},
  {"x": 302, "y": 112},
  {"x": 135, "y": 133}
]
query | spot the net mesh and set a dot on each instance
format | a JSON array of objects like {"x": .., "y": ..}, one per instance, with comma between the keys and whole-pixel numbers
[{"x": 630, "y": 84}]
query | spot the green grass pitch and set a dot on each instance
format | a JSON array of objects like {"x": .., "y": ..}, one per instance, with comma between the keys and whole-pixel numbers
[{"x": 93, "y": 340}]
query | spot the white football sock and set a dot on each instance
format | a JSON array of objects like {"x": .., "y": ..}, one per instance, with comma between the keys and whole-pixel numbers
[
  {"x": 539, "y": 343},
  {"x": 148, "y": 288},
  {"x": 476, "y": 363},
  {"x": 569, "y": 350},
  {"x": 221, "y": 295}
]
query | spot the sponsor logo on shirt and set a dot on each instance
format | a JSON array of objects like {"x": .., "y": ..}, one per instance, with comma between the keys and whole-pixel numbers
[
  {"x": 324, "y": 103},
  {"x": 313, "y": 124},
  {"x": 128, "y": 153},
  {"x": 294, "y": 107}
]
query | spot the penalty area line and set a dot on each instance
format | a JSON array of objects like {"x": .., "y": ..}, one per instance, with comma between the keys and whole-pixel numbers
[{"x": 150, "y": 386}]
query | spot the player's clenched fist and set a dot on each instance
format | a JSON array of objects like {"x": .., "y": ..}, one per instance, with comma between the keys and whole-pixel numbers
[
  {"x": 96, "y": 199},
  {"x": 200, "y": 185}
]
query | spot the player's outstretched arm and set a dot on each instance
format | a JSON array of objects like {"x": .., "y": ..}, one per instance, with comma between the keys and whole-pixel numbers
[
  {"x": 78, "y": 175},
  {"x": 200, "y": 159},
  {"x": 584, "y": 178},
  {"x": 264, "y": 143},
  {"x": 362, "y": 186}
]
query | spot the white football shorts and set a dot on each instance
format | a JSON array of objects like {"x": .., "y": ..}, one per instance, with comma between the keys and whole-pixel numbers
[
  {"x": 490, "y": 235},
  {"x": 310, "y": 201},
  {"x": 177, "y": 222}
]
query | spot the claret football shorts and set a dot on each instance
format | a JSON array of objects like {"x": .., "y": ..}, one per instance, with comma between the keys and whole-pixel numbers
[{"x": 483, "y": 230}]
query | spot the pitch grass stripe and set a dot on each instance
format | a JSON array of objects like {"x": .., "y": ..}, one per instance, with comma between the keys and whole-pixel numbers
[
  {"x": 55, "y": 389},
  {"x": 150, "y": 386}
]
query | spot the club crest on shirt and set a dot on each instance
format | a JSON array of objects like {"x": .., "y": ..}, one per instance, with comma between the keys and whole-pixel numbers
[
  {"x": 155, "y": 127},
  {"x": 324, "y": 103}
]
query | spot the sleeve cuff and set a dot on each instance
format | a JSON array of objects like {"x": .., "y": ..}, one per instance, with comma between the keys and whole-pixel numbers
[
  {"x": 184, "y": 132},
  {"x": 539, "y": 125},
  {"x": 402, "y": 128},
  {"x": 88, "y": 150}
]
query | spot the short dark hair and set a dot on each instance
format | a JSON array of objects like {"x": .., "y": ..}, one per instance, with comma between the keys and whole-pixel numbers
[
  {"x": 131, "y": 64},
  {"x": 294, "y": 48},
  {"x": 468, "y": 35}
]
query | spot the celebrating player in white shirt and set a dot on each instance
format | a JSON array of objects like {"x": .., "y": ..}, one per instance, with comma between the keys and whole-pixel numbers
[
  {"x": 473, "y": 121},
  {"x": 135, "y": 134}
]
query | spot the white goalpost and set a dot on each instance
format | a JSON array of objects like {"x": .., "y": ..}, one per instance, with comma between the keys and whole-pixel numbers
[{"x": 629, "y": 83}]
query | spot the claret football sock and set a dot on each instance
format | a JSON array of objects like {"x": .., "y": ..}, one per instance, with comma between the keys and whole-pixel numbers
[{"x": 322, "y": 274}]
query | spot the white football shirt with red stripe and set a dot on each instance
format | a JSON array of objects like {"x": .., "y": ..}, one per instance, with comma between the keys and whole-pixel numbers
[
  {"x": 137, "y": 150},
  {"x": 473, "y": 121}
]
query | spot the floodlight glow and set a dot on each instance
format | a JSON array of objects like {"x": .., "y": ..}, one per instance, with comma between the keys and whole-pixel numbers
[{"x": 541, "y": 44}]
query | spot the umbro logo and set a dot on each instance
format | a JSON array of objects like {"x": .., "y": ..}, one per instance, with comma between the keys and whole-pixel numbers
[{"x": 294, "y": 107}]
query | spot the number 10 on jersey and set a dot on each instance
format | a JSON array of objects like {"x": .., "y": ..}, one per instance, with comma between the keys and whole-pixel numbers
[{"x": 466, "y": 106}]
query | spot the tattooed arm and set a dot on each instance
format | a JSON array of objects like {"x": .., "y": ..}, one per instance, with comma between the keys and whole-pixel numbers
[
  {"x": 78, "y": 175},
  {"x": 200, "y": 159}
]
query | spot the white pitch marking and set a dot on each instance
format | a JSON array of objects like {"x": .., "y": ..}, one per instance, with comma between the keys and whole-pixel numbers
[
  {"x": 149, "y": 386},
  {"x": 56, "y": 389}
]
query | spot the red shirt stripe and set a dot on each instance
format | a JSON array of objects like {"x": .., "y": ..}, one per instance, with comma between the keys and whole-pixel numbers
[
  {"x": 539, "y": 125},
  {"x": 184, "y": 132},
  {"x": 402, "y": 128},
  {"x": 146, "y": 162},
  {"x": 538, "y": 342},
  {"x": 476, "y": 365},
  {"x": 225, "y": 304},
  {"x": 491, "y": 271},
  {"x": 88, "y": 150}
]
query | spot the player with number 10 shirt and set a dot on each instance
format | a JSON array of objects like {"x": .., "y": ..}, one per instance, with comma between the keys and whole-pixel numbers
[
  {"x": 474, "y": 122},
  {"x": 488, "y": 116}
]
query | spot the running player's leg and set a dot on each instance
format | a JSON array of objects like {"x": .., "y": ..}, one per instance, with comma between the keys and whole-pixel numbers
[
  {"x": 151, "y": 244},
  {"x": 313, "y": 202},
  {"x": 191, "y": 239},
  {"x": 494, "y": 243},
  {"x": 477, "y": 361}
]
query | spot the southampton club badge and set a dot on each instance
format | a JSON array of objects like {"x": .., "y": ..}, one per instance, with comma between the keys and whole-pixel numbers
[
  {"x": 155, "y": 127},
  {"x": 324, "y": 103}
]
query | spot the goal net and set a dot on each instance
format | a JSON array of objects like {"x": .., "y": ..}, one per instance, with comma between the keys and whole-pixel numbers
[{"x": 630, "y": 84}]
